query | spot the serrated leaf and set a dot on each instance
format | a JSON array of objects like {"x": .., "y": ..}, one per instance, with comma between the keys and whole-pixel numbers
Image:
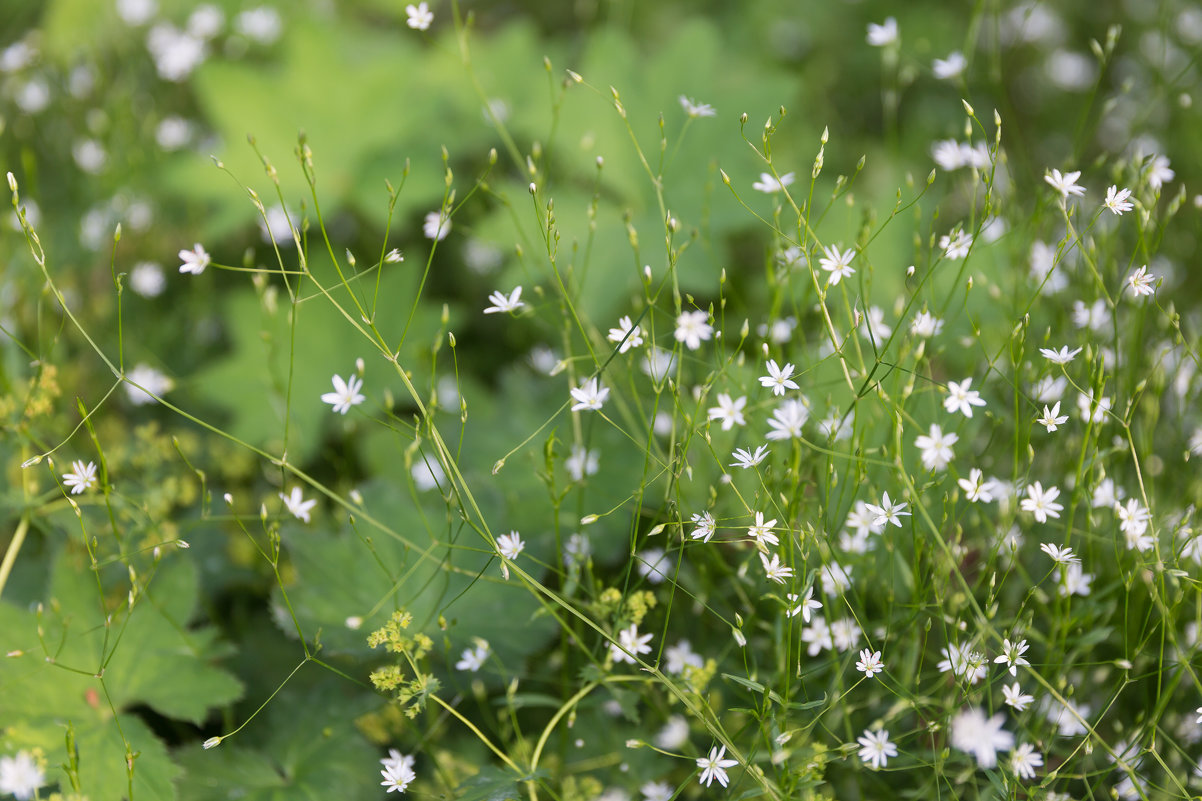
[{"x": 150, "y": 657}]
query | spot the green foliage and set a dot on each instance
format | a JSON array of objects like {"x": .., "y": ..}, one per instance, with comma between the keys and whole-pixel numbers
[{"x": 87, "y": 661}]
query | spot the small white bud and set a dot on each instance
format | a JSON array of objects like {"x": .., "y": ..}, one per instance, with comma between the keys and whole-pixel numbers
[
  {"x": 12, "y": 182},
  {"x": 360, "y": 365},
  {"x": 212, "y": 742},
  {"x": 229, "y": 499},
  {"x": 910, "y": 271},
  {"x": 533, "y": 188},
  {"x": 354, "y": 622},
  {"x": 588, "y": 520}
]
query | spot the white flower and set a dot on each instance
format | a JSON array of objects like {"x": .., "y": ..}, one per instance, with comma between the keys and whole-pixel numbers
[
  {"x": 345, "y": 394},
  {"x": 658, "y": 363},
  {"x": 437, "y": 224},
  {"x": 176, "y": 53},
  {"x": 936, "y": 447},
  {"x": 261, "y": 24},
  {"x": 473, "y": 659},
  {"x": 1116, "y": 200},
  {"x": 146, "y": 278},
  {"x": 275, "y": 226},
  {"x": 1012, "y": 655},
  {"x": 964, "y": 663},
  {"x": 768, "y": 184},
  {"x": 1091, "y": 411},
  {"x": 746, "y": 459},
  {"x": 835, "y": 578},
  {"x": 778, "y": 378},
  {"x": 136, "y": 12},
  {"x": 1140, "y": 281},
  {"x": 803, "y": 604},
  {"x": 21, "y": 776},
  {"x": 695, "y": 109},
  {"x": 505, "y": 303},
  {"x": 589, "y": 396},
  {"x": 1016, "y": 698},
  {"x": 630, "y": 643},
  {"x": 1074, "y": 582},
  {"x": 82, "y": 477},
  {"x": 1158, "y": 172},
  {"x": 1060, "y": 555},
  {"x": 692, "y": 328},
  {"x": 144, "y": 382},
  {"x": 788, "y": 419},
  {"x": 1062, "y": 356},
  {"x": 883, "y": 34},
  {"x": 680, "y": 656},
  {"x": 296, "y": 503},
  {"x": 981, "y": 736},
  {"x": 1067, "y": 718},
  {"x": 714, "y": 766},
  {"x": 875, "y": 748},
  {"x": 976, "y": 487},
  {"x": 1095, "y": 316},
  {"x": 761, "y": 531},
  {"x": 394, "y": 256},
  {"x": 837, "y": 263},
  {"x": 397, "y": 776},
  {"x": 674, "y": 734},
  {"x": 961, "y": 399},
  {"x": 657, "y": 791},
  {"x": 704, "y": 523},
  {"x": 654, "y": 565},
  {"x": 1041, "y": 502},
  {"x": 419, "y": 16},
  {"x": 582, "y": 462},
  {"x": 956, "y": 244},
  {"x": 818, "y": 637},
  {"x": 1065, "y": 184},
  {"x": 774, "y": 570},
  {"x": 194, "y": 261},
  {"x": 1052, "y": 419},
  {"x": 510, "y": 545},
  {"x": 1024, "y": 760},
  {"x": 887, "y": 512},
  {"x": 950, "y": 67},
  {"x": 627, "y": 334},
  {"x": 729, "y": 411},
  {"x": 870, "y": 663},
  {"x": 925, "y": 325}
]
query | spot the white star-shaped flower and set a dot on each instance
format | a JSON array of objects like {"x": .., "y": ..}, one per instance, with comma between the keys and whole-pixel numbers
[
  {"x": 345, "y": 394},
  {"x": 419, "y": 16},
  {"x": 778, "y": 378},
  {"x": 505, "y": 303},
  {"x": 589, "y": 396},
  {"x": 1065, "y": 183},
  {"x": 296, "y": 503},
  {"x": 769, "y": 184},
  {"x": 81, "y": 478},
  {"x": 194, "y": 261}
]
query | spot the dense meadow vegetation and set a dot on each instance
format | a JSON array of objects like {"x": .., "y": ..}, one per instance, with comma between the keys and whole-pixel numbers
[{"x": 619, "y": 401}]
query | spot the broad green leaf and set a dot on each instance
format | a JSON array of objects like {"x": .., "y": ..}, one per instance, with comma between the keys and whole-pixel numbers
[
  {"x": 305, "y": 746},
  {"x": 428, "y": 563},
  {"x": 145, "y": 656}
]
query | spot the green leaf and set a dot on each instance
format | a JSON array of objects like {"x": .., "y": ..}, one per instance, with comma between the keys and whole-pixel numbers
[
  {"x": 493, "y": 784},
  {"x": 146, "y": 656},
  {"x": 423, "y": 566},
  {"x": 310, "y": 750}
]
